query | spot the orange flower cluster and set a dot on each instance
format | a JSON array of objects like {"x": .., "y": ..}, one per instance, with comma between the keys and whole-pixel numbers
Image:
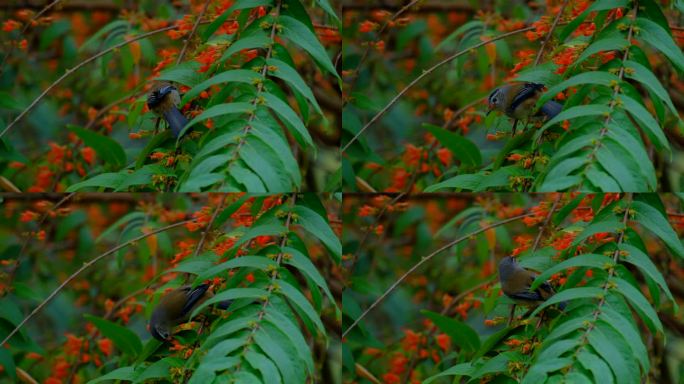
[
  {"x": 208, "y": 57},
  {"x": 368, "y": 26},
  {"x": 540, "y": 212},
  {"x": 565, "y": 58},
  {"x": 10, "y": 25},
  {"x": 202, "y": 218},
  {"x": 541, "y": 28},
  {"x": 524, "y": 242},
  {"x": 563, "y": 242},
  {"x": 184, "y": 27},
  {"x": 526, "y": 57}
]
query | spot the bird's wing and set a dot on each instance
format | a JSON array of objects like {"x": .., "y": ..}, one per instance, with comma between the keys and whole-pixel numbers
[
  {"x": 194, "y": 296},
  {"x": 527, "y": 296},
  {"x": 526, "y": 91}
]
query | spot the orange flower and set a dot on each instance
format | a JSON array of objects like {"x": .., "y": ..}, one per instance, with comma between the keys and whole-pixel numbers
[
  {"x": 368, "y": 26},
  {"x": 367, "y": 210},
  {"x": 88, "y": 155},
  {"x": 27, "y": 216},
  {"x": 207, "y": 58},
  {"x": 10, "y": 25},
  {"x": 444, "y": 341},
  {"x": 106, "y": 346},
  {"x": 515, "y": 157},
  {"x": 444, "y": 156}
]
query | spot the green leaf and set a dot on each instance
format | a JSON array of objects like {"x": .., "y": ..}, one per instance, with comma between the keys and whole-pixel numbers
[
  {"x": 280, "y": 147},
  {"x": 573, "y": 113},
  {"x": 463, "y": 369},
  {"x": 292, "y": 77},
  {"x": 619, "y": 169},
  {"x": 299, "y": 34},
  {"x": 106, "y": 148},
  {"x": 265, "y": 162},
  {"x": 201, "y": 176},
  {"x": 593, "y": 77},
  {"x": 461, "y": 334},
  {"x": 597, "y": 366},
  {"x": 304, "y": 264},
  {"x": 220, "y": 110},
  {"x": 651, "y": 219},
  {"x": 255, "y": 40},
  {"x": 632, "y": 337},
  {"x": 597, "y": 6},
  {"x": 653, "y": 34},
  {"x": 652, "y": 129},
  {"x": 240, "y": 4},
  {"x": 258, "y": 262},
  {"x": 123, "y": 338},
  {"x": 325, "y": 4},
  {"x": 467, "y": 182},
  {"x": 640, "y": 260},
  {"x": 607, "y": 349},
  {"x": 131, "y": 216},
  {"x": 232, "y": 294},
  {"x": 159, "y": 369},
  {"x": 7, "y": 362},
  {"x": 300, "y": 301},
  {"x": 600, "y": 179},
  {"x": 231, "y": 76},
  {"x": 275, "y": 352},
  {"x": 264, "y": 365},
  {"x": 560, "y": 184},
  {"x": 570, "y": 294},
  {"x": 289, "y": 116},
  {"x": 640, "y": 73},
  {"x": 586, "y": 260},
  {"x": 319, "y": 227},
  {"x": 635, "y": 148},
  {"x": 123, "y": 373},
  {"x": 640, "y": 304},
  {"x": 290, "y": 328},
  {"x": 607, "y": 44},
  {"x": 462, "y": 149},
  {"x": 103, "y": 180},
  {"x": 184, "y": 73}
]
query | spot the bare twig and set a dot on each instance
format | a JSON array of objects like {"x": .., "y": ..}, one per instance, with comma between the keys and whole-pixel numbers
[
  {"x": 83, "y": 268},
  {"x": 425, "y": 259},
  {"x": 78, "y": 66},
  {"x": 550, "y": 33},
  {"x": 546, "y": 222},
  {"x": 425, "y": 74},
  {"x": 192, "y": 32}
]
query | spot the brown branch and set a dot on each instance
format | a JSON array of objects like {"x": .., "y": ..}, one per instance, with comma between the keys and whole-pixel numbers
[
  {"x": 550, "y": 33},
  {"x": 192, "y": 33},
  {"x": 425, "y": 74},
  {"x": 83, "y": 268},
  {"x": 210, "y": 224},
  {"x": 425, "y": 259},
  {"x": 78, "y": 66},
  {"x": 546, "y": 223}
]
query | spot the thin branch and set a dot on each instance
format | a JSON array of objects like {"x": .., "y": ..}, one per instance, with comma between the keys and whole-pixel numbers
[
  {"x": 210, "y": 224},
  {"x": 192, "y": 33},
  {"x": 425, "y": 74},
  {"x": 425, "y": 259},
  {"x": 550, "y": 33},
  {"x": 83, "y": 268},
  {"x": 546, "y": 222},
  {"x": 23, "y": 31},
  {"x": 78, "y": 66}
]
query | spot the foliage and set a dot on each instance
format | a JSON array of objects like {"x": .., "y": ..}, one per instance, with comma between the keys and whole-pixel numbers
[
  {"x": 245, "y": 69},
  {"x": 613, "y": 258},
  {"x": 614, "y": 65},
  {"x": 272, "y": 255}
]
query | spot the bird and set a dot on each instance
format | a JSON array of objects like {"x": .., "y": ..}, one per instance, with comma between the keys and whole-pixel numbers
[
  {"x": 164, "y": 101},
  {"x": 516, "y": 281},
  {"x": 517, "y": 100},
  {"x": 175, "y": 308}
]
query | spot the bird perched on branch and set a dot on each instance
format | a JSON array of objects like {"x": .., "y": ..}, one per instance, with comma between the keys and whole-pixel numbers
[
  {"x": 164, "y": 100},
  {"x": 516, "y": 281},
  {"x": 175, "y": 308},
  {"x": 517, "y": 100}
]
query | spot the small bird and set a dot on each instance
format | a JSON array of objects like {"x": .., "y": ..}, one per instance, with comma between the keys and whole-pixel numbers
[
  {"x": 516, "y": 281},
  {"x": 164, "y": 101},
  {"x": 175, "y": 308},
  {"x": 517, "y": 100}
]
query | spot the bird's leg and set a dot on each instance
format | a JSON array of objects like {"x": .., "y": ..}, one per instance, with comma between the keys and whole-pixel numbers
[
  {"x": 527, "y": 122},
  {"x": 510, "y": 316},
  {"x": 515, "y": 124},
  {"x": 541, "y": 318},
  {"x": 156, "y": 126}
]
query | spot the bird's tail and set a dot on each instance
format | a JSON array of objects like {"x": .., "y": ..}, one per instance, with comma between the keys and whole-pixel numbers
[
  {"x": 224, "y": 304},
  {"x": 176, "y": 120},
  {"x": 551, "y": 109}
]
